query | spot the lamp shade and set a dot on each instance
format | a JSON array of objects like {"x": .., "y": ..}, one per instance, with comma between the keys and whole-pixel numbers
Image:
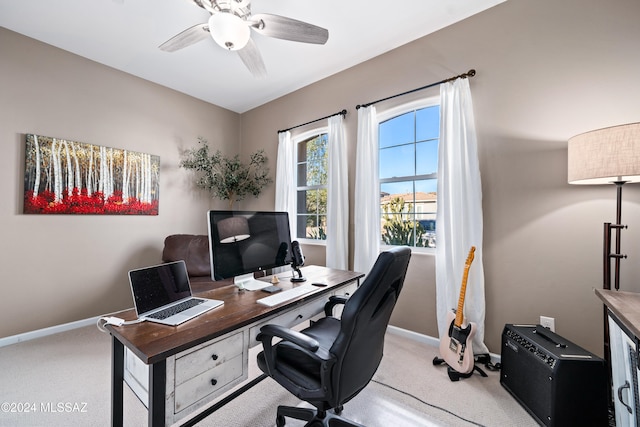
[
  {"x": 233, "y": 229},
  {"x": 605, "y": 156},
  {"x": 229, "y": 30}
]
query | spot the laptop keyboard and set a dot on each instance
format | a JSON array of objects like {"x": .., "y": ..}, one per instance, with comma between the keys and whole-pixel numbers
[{"x": 178, "y": 308}]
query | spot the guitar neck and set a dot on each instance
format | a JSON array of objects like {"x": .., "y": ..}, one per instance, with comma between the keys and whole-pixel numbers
[{"x": 463, "y": 288}]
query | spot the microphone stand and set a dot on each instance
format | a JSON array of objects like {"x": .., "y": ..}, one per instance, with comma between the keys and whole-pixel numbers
[{"x": 296, "y": 269}]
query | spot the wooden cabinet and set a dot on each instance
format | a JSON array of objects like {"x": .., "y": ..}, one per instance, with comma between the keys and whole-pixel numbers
[
  {"x": 624, "y": 374},
  {"x": 623, "y": 312}
]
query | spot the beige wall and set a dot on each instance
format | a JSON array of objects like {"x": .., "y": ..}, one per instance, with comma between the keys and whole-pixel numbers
[
  {"x": 67, "y": 268},
  {"x": 547, "y": 70}
]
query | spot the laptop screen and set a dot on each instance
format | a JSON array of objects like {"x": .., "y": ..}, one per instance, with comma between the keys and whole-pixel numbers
[{"x": 159, "y": 285}]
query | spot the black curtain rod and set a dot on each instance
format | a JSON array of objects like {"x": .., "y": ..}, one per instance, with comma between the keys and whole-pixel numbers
[
  {"x": 343, "y": 113},
  {"x": 469, "y": 73}
]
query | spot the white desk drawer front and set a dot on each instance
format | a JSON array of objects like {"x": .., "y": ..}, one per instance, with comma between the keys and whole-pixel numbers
[
  {"x": 207, "y": 383},
  {"x": 207, "y": 358},
  {"x": 347, "y": 290},
  {"x": 290, "y": 318}
]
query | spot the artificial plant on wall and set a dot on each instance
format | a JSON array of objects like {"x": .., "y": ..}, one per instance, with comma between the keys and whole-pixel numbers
[{"x": 227, "y": 178}]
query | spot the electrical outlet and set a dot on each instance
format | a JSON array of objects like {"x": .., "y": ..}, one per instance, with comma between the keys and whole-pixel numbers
[{"x": 548, "y": 322}]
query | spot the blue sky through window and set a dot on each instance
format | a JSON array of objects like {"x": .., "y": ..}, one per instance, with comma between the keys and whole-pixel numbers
[{"x": 409, "y": 147}]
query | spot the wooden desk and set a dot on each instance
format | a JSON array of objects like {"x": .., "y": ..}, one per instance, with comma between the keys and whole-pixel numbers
[{"x": 178, "y": 370}]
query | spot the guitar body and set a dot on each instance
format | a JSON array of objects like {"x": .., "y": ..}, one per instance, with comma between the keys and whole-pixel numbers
[{"x": 455, "y": 348}]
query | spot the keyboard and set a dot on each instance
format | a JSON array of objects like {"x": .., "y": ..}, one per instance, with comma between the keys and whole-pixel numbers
[
  {"x": 287, "y": 295},
  {"x": 178, "y": 308}
]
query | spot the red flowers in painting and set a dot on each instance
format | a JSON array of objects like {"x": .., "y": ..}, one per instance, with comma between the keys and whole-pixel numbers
[
  {"x": 68, "y": 177},
  {"x": 78, "y": 202}
]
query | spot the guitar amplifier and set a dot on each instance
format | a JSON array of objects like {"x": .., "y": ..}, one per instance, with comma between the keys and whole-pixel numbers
[{"x": 556, "y": 381}]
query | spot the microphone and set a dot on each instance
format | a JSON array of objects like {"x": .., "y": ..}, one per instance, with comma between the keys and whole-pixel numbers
[{"x": 297, "y": 261}]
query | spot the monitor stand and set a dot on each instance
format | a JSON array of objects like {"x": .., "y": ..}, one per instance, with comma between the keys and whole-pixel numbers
[{"x": 248, "y": 282}]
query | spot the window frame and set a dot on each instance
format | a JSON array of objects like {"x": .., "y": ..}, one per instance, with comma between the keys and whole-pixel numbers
[
  {"x": 389, "y": 114},
  {"x": 297, "y": 139}
]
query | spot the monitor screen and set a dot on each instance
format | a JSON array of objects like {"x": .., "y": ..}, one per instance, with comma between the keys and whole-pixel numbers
[{"x": 242, "y": 242}]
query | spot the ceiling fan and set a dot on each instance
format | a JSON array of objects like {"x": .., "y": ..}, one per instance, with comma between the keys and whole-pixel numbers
[{"x": 230, "y": 27}]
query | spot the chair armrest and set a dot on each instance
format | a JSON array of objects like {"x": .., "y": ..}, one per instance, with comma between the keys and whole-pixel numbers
[
  {"x": 267, "y": 332},
  {"x": 333, "y": 301},
  {"x": 307, "y": 344}
]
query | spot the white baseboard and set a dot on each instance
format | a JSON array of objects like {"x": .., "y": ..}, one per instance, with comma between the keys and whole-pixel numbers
[
  {"x": 426, "y": 339},
  {"x": 39, "y": 333},
  {"x": 413, "y": 335}
]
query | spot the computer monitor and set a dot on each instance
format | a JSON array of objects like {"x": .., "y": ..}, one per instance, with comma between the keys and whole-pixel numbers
[{"x": 243, "y": 242}]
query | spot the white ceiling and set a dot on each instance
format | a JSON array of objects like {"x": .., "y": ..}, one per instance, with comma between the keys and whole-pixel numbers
[{"x": 125, "y": 34}]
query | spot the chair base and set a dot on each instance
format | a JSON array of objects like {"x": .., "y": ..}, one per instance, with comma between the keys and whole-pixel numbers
[{"x": 313, "y": 417}]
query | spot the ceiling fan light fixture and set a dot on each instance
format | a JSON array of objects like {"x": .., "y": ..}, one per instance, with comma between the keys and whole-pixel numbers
[{"x": 229, "y": 31}]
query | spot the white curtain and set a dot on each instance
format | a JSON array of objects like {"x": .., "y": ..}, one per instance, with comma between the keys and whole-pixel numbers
[
  {"x": 337, "y": 196},
  {"x": 367, "y": 197},
  {"x": 459, "y": 213},
  {"x": 285, "y": 175}
]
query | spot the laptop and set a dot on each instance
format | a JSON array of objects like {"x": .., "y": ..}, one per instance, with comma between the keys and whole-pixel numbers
[{"x": 162, "y": 294}]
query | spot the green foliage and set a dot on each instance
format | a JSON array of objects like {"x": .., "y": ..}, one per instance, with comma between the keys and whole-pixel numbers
[
  {"x": 317, "y": 233},
  {"x": 397, "y": 229},
  {"x": 313, "y": 168},
  {"x": 227, "y": 179}
]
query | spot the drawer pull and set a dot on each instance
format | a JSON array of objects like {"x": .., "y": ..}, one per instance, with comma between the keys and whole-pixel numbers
[
  {"x": 299, "y": 316},
  {"x": 214, "y": 381},
  {"x": 214, "y": 357},
  {"x": 620, "y": 389}
]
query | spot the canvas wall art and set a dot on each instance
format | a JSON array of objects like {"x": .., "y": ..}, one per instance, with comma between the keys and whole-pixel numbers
[{"x": 68, "y": 177}]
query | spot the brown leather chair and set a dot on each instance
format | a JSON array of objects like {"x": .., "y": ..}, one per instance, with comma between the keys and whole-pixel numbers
[{"x": 194, "y": 250}]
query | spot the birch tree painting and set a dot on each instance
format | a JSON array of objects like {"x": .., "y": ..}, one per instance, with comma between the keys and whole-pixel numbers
[{"x": 67, "y": 177}]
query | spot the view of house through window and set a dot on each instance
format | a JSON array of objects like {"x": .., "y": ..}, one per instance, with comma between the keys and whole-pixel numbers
[
  {"x": 312, "y": 187},
  {"x": 408, "y": 162}
]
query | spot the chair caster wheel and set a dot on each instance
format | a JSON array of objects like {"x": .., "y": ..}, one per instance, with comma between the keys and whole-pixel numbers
[{"x": 280, "y": 421}]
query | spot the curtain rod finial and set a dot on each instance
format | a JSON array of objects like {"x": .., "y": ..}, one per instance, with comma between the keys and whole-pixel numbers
[{"x": 471, "y": 72}]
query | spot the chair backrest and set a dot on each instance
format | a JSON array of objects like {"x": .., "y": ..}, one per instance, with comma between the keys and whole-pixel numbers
[
  {"x": 193, "y": 249},
  {"x": 359, "y": 345}
]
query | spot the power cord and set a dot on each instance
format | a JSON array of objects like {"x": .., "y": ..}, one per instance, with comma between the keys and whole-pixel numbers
[
  {"x": 116, "y": 321},
  {"x": 427, "y": 403}
]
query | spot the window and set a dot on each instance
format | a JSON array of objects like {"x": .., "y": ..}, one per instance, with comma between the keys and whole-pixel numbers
[
  {"x": 311, "y": 185},
  {"x": 408, "y": 160}
]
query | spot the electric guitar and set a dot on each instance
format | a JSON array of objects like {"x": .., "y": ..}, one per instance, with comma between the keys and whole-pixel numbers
[{"x": 455, "y": 348}]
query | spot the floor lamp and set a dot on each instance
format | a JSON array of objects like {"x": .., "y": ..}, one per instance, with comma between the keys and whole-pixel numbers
[{"x": 607, "y": 156}]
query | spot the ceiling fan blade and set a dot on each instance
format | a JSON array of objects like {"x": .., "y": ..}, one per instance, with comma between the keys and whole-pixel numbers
[
  {"x": 285, "y": 28},
  {"x": 186, "y": 38},
  {"x": 252, "y": 59}
]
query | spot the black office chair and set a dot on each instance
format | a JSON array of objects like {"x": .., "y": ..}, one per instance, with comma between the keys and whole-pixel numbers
[{"x": 330, "y": 362}]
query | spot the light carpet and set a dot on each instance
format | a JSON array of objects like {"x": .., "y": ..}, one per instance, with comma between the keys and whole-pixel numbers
[{"x": 64, "y": 379}]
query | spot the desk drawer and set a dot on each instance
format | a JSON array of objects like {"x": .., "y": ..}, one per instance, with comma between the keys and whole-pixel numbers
[
  {"x": 207, "y": 358},
  {"x": 207, "y": 383},
  {"x": 347, "y": 290},
  {"x": 290, "y": 318}
]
